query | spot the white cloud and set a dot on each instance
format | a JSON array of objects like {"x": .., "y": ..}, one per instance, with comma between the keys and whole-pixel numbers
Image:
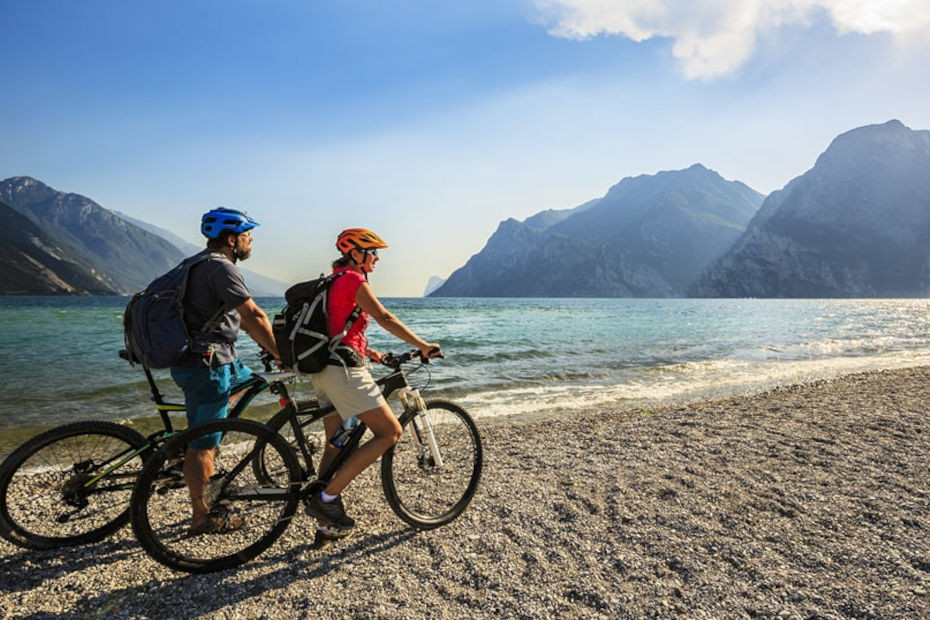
[{"x": 713, "y": 38}]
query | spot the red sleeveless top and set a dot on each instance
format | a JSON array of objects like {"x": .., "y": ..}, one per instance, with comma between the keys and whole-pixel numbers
[{"x": 340, "y": 305}]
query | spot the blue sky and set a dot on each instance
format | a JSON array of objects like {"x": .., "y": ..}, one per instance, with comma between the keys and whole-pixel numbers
[{"x": 430, "y": 122}]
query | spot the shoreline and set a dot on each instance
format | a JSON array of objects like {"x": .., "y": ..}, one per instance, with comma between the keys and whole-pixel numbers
[{"x": 804, "y": 500}]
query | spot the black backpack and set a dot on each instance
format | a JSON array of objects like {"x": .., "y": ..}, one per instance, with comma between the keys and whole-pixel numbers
[
  {"x": 300, "y": 330},
  {"x": 153, "y": 322}
]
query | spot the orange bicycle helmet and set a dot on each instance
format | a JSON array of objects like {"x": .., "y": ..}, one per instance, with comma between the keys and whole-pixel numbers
[{"x": 358, "y": 239}]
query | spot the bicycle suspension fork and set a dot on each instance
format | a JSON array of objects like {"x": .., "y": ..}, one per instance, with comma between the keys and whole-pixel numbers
[{"x": 423, "y": 430}]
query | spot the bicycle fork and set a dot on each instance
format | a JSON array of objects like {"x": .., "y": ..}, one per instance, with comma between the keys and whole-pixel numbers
[{"x": 423, "y": 429}]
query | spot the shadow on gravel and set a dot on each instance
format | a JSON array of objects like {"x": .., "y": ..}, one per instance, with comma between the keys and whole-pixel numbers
[
  {"x": 27, "y": 569},
  {"x": 170, "y": 597}
]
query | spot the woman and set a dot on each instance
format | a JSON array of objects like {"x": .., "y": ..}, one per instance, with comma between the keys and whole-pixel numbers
[{"x": 347, "y": 382}]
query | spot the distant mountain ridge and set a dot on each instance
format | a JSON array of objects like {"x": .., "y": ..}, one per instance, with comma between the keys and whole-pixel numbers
[
  {"x": 857, "y": 224},
  {"x": 432, "y": 284},
  {"x": 33, "y": 263},
  {"x": 259, "y": 285},
  {"x": 126, "y": 258},
  {"x": 86, "y": 249},
  {"x": 648, "y": 236}
]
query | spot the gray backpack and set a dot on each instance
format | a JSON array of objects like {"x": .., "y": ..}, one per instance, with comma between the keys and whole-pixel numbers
[{"x": 153, "y": 322}]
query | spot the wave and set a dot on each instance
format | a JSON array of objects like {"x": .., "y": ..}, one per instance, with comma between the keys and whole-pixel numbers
[{"x": 671, "y": 383}]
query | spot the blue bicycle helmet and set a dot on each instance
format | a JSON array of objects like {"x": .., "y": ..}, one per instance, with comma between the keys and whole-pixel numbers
[{"x": 223, "y": 218}]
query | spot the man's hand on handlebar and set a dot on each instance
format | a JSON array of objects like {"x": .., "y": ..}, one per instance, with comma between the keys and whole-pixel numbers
[{"x": 267, "y": 358}]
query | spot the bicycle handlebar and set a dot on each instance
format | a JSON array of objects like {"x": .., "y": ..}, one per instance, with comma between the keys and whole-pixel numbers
[
  {"x": 388, "y": 359},
  {"x": 396, "y": 361}
]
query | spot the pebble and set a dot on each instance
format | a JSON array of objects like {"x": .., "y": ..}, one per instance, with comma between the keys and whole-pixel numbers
[{"x": 752, "y": 505}]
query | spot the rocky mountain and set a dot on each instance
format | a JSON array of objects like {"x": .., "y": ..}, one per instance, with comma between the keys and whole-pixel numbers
[
  {"x": 186, "y": 247},
  {"x": 34, "y": 264},
  {"x": 125, "y": 257},
  {"x": 432, "y": 284},
  {"x": 649, "y": 236},
  {"x": 857, "y": 224},
  {"x": 259, "y": 285}
]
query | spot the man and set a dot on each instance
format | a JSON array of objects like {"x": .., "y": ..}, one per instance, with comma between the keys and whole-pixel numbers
[{"x": 217, "y": 294}]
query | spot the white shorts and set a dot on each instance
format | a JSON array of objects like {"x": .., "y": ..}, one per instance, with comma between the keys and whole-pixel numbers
[{"x": 351, "y": 390}]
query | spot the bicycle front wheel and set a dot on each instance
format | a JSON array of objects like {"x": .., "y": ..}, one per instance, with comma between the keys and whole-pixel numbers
[
  {"x": 262, "y": 508},
  {"x": 430, "y": 476},
  {"x": 70, "y": 485}
]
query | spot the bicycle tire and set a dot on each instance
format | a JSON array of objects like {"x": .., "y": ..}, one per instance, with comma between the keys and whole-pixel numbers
[
  {"x": 161, "y": 501},
  {"x": 47, "y": 495},
  {"x": 421, "y": 494}
]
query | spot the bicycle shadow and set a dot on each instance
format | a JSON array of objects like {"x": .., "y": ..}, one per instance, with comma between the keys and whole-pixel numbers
[
  {"x": 154, "y": 598},
  {"x": 18, "y": 570}
]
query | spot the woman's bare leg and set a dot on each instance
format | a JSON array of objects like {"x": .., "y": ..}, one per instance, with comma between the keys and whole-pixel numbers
[{"x": 386, "y": 429}]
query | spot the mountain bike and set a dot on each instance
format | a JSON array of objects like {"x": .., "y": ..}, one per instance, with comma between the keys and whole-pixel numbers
[
  {"x": 264, "y": 471},
  {"x": 71, "y": 485}
]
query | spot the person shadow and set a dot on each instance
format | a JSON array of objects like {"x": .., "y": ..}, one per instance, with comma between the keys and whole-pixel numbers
[
  {"x": 158, "y": 597},
  {"x": 16, "y": 572}
]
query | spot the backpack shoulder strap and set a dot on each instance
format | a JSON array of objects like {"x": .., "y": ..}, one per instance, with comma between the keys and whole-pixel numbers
[
  {"x": 188, "y": 264},
  {"x": 356, "y": 313}
]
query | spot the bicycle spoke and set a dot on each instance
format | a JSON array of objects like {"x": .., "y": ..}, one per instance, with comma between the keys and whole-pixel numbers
[
  {"x": 420, "y": 490},
  {"x": 162, "y": 515},
  {"x": 49, "y": 494}
]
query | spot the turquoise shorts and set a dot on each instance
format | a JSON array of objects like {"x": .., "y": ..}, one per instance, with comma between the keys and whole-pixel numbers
[{"x": 206, "y": 395}]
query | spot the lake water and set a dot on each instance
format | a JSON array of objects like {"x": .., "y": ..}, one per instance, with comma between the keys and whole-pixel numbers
[{"x": 58, "y": 355}]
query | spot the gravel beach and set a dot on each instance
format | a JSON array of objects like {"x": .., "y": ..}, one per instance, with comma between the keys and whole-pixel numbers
[{"x": 806, "y": 501}]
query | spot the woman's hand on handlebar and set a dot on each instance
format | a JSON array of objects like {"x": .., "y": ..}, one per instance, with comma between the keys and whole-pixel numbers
[
  {"x": 425, "y": 354},
  {"x": 430, "y": 350}
]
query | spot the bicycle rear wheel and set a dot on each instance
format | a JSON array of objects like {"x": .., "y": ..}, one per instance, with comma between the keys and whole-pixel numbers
[
  {"x": 421, "y": 491},
  {"x": 161, "y": 502},
  {"x": 70, "y": 485},
  {"x": 313, "y": 437}
]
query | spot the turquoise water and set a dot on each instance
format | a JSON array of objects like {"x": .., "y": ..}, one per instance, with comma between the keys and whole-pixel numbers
[{"x": 58, "y": 359}]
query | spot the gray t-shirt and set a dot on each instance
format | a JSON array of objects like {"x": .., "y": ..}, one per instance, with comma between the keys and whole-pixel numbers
[{"x": 213, "y": 284}]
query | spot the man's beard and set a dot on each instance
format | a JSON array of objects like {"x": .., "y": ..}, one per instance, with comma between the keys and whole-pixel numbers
[{"x": 242, "y": 254}]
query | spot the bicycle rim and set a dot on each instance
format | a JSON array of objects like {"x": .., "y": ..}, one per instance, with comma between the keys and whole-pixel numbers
[
  {"x": 421, "y": 492},
  {"x": 70, "y": 485},
  {"x": 161, "y": 502}
]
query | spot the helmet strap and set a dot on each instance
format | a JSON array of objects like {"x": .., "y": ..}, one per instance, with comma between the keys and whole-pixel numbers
[
  {"x": 360, "y": 265},
  {"x": 364, "y": 260}
]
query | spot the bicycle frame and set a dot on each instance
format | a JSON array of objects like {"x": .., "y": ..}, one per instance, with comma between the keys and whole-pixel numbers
[
  {"x": 389, "y": 384},
  {"x": 395, "y": 381},
  {"x": 260, "y": 480},
  {"x": 248, "y": 390}
]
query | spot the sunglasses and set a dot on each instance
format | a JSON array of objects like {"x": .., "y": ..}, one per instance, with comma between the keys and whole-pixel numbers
[{"x": 247, "y": 234}]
